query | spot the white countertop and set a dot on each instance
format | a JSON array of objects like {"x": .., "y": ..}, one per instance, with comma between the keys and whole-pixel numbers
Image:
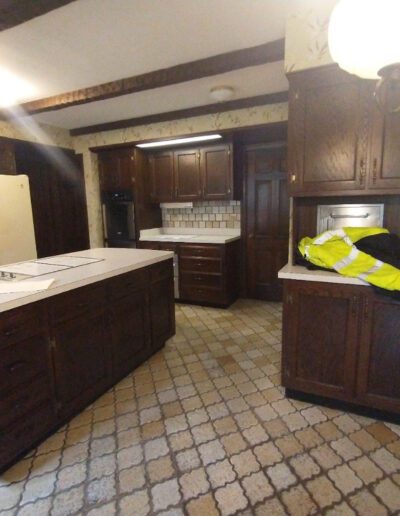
[
  {"x": 298, "y": 272},
  {"x": 190, "y": 235},
  {"x": 114, "y": 262}
]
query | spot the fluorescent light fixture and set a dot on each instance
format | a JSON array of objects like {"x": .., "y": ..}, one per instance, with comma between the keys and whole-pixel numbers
[
  {"x": 13, "y": 89},
  {"x": 178, "y": 141}
]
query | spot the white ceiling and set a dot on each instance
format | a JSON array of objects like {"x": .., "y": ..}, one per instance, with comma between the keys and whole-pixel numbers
[{"x": 89, "y": 42}]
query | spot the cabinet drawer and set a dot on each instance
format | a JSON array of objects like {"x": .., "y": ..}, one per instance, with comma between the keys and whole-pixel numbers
[
  {"x": 207, "y": 251},
  {"x": 161, "y": 270},
  {"x": 199, "y": 279},
  {"x": 202, "y": 294},
  {"x": 200, "y": 265},
  {"x": 21, "y": 323},
  {"x": 19, "y": 437},
  {"x": 123, "y": 285},
  {"x": 16, "y": 403},
  {"x": 23, "y": 361},
  {"x": 72, "y": 304}
]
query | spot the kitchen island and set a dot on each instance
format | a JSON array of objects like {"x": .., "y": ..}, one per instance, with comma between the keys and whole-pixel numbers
[
  {"x": 63, "y": 347},
  {"x": 340, "y": 340}
]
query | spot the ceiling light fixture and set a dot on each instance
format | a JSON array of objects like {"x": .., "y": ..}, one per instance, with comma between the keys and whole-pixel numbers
[
  {"x": 179, "y": 141},
  {"x": 13, "y": 89},
  {"x": 222, "y": 93},
  {"x": 364, "y": 39}
]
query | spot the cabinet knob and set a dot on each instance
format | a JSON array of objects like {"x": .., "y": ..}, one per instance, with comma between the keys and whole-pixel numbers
[
  {"x": 362, "y": 170},
  {"x": 293, "y": 178},
  {"x": 375, "y": 170}
]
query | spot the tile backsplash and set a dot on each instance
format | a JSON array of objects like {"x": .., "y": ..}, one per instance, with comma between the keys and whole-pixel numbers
[{"x": 207, "y": 214}]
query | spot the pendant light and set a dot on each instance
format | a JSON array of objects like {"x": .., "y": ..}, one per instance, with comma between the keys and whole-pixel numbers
[{"x": 364, "y": 39}]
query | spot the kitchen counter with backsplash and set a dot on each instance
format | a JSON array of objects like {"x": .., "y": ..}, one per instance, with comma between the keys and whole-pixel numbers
[{"x": 190, "y": 235}]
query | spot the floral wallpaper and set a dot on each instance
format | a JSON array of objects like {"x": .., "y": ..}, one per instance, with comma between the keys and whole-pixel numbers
[
  {"x": 306, "y": 44},
  {"x": 232, "y": 119},
  {"x": 31, "y": 131}
]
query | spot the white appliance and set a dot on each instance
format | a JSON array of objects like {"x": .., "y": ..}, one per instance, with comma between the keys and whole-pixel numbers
[{"x": 17, "y": 235}]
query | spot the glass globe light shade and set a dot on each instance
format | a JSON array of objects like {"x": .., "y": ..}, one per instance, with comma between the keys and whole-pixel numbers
[{"x": 364, "y": 36}]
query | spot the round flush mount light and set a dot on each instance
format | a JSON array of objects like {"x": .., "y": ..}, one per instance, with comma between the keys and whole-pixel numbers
[{"x": 222, "y": 93}]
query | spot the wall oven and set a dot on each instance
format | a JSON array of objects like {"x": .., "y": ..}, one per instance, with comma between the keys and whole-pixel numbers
[{"x": 118, "y": 219}]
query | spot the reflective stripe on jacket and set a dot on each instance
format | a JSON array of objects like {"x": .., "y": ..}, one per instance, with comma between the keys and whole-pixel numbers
[{"x": 336, "y": 250}]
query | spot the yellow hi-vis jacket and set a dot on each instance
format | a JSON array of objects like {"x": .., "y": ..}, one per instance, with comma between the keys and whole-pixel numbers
[{"x": 335, "y": 249}]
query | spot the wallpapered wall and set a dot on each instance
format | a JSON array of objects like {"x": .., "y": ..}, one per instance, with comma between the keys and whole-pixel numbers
[
  {"x": 208, "y": 214},
  {"x": 228, "y": 120},
  {"x": 31, "y": 131},
  {"x": 306, "y": 44}
]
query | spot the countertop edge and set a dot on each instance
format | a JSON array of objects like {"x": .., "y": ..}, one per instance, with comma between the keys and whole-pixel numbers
[
  {"x": 300, "y": 273},
  {"x": 198, "y": 240},
  {"x": 44, "y": 294}
]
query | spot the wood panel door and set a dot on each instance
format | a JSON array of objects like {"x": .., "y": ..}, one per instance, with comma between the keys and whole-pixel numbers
[
  {"x": 328, "y": 132},
  {"x": 187, "y": 175},
  {"x": 217, "y": 172},
  {"x": 267, "y": 219},
  {"x": 116, "y": 169},
  {"x": 320, "y": 338},
  {"x": 80, "y": 360},
  {"x": 384, "y": 170},
  {"x": 129, "y": 322},
  {"x": 162, "y": 176},
  {"x": 379, "y": 364}
]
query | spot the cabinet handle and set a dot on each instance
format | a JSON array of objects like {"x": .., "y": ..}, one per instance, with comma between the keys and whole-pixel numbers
[
  {"x": 374, "y": 170},
  {"x": 289, "y": 299},
  {"x": 16, "y": 365},
  {"x": 9, "y": 333},
  {"x": 292, "y": 178},
  {"x": 362, "y": 171}
]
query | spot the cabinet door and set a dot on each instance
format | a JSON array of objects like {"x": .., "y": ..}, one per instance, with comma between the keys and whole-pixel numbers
[
  {"x": 162, "y": 311},
  {"x": 216, "y": 172},
  {"x": 116, "y": 169},
  {"x": 379, "y": 365},
  {"x": 320, "y": 338},
  {"x": 187, "y": 175},
  {"x": 328, "y": 132},
  {"x": 385, "y": 150},
  {"x": 80, "y": 360},
  {"x": 130, "y": 332},
  {"x": 162, "y": 176}
]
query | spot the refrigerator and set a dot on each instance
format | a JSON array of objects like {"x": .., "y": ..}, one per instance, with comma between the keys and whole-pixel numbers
[{"x": 17, "y": 235}]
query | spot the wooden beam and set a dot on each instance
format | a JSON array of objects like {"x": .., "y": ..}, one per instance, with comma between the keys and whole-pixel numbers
[
  {"x": 15, "y": 12},
  {"x": 219, "y": 107},
  {"x": 222, "y": 63}
]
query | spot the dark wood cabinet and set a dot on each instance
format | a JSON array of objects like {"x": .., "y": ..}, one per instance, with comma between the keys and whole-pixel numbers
[
  {"x": 341, "y": 342},
  {"x": 58, "y": 355},
  {"x": 116, "y": 169},
  {"x": 188, "y": 174},
  {"x": 340, "y": 142},
  {"x": 57, "y": 190},
  {"x": 320, "y": 352},
  {"x": 7, "y": 157},
  {"x": 378, "y": 379},
  {"x": 162, "y": 176},
  {"x": 216, "y": 173}
]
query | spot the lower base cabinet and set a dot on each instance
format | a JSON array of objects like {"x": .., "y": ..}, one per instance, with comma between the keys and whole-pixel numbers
[
  {"x": 59, "y": 355},
  {"x": 342, "y": 342}
]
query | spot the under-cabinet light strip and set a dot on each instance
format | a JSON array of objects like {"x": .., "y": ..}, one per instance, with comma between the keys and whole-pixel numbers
[{"x": 179, "y": 141}]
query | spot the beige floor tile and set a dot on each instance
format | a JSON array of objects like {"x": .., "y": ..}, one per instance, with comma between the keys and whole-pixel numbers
[
  {"x": 323, "y": 491},
  {"x": 202, "y": 506},
  {"x": 389, "y": 494},
  {"x": 257, "y": 487},
  {"x": 298, "y": 502},
  {"x": 365, "y": 504},
  {"x": 230, "y": 499}
]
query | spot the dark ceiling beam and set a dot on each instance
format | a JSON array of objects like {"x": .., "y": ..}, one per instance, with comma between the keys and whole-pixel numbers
[
  {"x": 222, "y": 63},
  {"x": 15, "y": 12},
  {"x": 220, "y": 107}
]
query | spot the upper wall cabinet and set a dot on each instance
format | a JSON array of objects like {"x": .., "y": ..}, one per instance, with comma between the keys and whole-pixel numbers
[
  {"x": 116, "y": 168},
  {"x": 339, "y": 142},
  {"x": 187, "y": 174}
]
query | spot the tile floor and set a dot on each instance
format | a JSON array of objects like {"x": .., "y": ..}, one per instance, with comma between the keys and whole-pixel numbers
[{"x": 202, "y": 429}]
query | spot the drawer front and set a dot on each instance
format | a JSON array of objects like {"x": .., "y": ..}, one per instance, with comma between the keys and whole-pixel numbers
[
  {"x": 200, "y": 265},
  {"x": 23, "y": 361},
  {"x": 123, "y": 285},
  {"x": 203, "y": 295},
  {"x": 199, "y": 279},
  {"x": 207, "y": 251},
  {"x": 72, "y": 304},
  {"x": 16, "y": 403},
  {"x": 21, "y": 323},
  {"x": 161, "y": 270},
  {"x": 20, "y": 437},
  {"x": 168, "y": 246}
]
